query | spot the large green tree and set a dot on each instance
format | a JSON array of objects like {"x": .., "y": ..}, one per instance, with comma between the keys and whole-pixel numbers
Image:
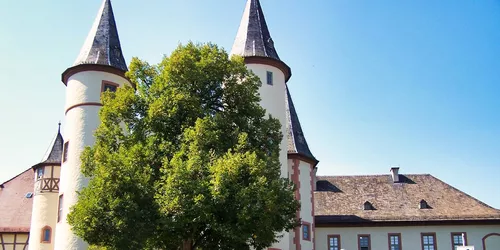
[{"x": 189, "y": 160}]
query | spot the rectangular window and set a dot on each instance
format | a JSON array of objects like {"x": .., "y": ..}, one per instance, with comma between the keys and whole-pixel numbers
[
  {"x": 109, "y": 86},
  {"x": 306, "y": 231},
  {"x": 429, "y": 241},
  {"x": 458, "y": 239},
  {"x": 269, "y": 78},
  {"x": 394, "y": 241},
  {"x": 333, "y": 242},
  {"x": 60, "y": 208},
  {"x": 364, "y": 242},
  {"x": 46, "y": 235},
  {"x": 65, "y": 151}
]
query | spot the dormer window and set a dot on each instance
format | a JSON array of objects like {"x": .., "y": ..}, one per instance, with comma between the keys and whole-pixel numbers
[
  {"x": 423, "y": 205},
  {"x": 368, "y": 206}
]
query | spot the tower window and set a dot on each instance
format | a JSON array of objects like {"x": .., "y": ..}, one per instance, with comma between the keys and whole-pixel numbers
[
  {"x": 65, "y": 151},
  {"x": 60, "y": 208},
  {"x": 306, "y": 231},
  {"x": 39, "y": 172},
  {"x": 46, "y": 234},
  {"x": 269, "y": 78},
  {"x": 109, "y": 86}
]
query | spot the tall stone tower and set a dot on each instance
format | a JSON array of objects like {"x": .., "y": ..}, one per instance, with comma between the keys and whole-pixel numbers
[
  {"x": 254, "y": 43},
  {"x": 99, "y": 67},
  {"x": 44, "y": 212}
]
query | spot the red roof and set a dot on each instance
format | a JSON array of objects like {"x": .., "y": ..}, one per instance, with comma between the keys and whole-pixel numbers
[{"x": 15, "y": 207}]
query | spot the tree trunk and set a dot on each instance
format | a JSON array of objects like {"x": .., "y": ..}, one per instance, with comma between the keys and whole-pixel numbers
[{"x": 187, "y": 245}]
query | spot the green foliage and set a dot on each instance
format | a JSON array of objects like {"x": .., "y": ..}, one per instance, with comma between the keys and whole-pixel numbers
[{"x": 188, "y": 159}]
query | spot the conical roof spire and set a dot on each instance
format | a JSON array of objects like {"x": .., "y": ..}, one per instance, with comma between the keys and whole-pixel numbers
[
  {"x": 54, "y": 152},
  {"x": 297, "y": 144},
  {"x": 103, "y": 44},
  {"x": 253, "y": 38}
]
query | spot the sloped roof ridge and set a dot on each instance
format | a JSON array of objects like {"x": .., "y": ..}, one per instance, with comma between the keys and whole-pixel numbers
[
  {"x": 5, "y": 182},
  {"x": 297, "y": 143}
]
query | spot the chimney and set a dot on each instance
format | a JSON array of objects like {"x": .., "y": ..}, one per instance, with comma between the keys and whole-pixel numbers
[{"x": 395, "y": 174}]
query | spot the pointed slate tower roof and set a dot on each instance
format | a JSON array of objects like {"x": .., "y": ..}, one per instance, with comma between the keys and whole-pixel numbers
[
  {"x": 103, "y": 44},
  {"x": 254, "y": 39},
  {"x": 297, "y": 144},
  {"x": 54, "y": 152},
  {"x": 102, "y": 50}
]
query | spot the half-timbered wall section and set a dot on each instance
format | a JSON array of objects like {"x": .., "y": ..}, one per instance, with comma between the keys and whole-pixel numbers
[
  {"x": 14, "y": 241},
  {"x": 48, "y": 181}
]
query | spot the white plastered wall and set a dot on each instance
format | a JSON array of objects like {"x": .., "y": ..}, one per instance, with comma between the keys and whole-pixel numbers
[
  {"x": 273, "y": 100},
  {"x": 410, "y": 236},
  {"x": 44, "y": 213},
  {"x": 83, "y": 88}
]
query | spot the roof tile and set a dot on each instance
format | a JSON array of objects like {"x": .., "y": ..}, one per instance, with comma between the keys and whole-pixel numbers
[
  {"x": 15, "y": 210},
  {"x": 253, "y": 38},
  {"x": 297, "y": 143},
  {"x": 342, "y": 197},
  {"x": 103, "y": 44}
]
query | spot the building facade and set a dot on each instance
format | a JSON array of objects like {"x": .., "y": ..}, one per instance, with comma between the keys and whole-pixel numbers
[
  {"x": 395, "y": 211},
  {"x": 332, "y": 217}
]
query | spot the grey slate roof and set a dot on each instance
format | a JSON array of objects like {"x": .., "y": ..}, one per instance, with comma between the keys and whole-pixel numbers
[
  {"x": 103, "y": 44},
  {"x": 297, "y": 143},
  {"x": 253, "y": 38},
  {"x": 54, "y": 152}
]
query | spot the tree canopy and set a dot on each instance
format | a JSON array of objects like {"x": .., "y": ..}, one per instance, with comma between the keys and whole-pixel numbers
[{"x": 188, "y": 160}]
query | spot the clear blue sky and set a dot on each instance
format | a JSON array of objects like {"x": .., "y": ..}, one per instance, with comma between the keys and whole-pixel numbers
[{"x": 375, "y": 83}]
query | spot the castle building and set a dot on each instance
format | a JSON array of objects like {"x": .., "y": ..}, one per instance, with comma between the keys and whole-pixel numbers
[{"x": 394, "y": 211}]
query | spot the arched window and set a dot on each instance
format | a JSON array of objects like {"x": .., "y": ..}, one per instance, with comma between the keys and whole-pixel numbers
[{"x": 46, "y": 234}]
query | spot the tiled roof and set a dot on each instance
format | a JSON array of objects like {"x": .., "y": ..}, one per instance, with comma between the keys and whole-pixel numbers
[
  {"x": 54, "y": 152},
  {"x": 15, "y": 207},
  {"x": 103, "y": 44},
  {"x": 297, "y": 143},
  {"x": 341, "y": 199},
  {"x": 253, "y": 38}
]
